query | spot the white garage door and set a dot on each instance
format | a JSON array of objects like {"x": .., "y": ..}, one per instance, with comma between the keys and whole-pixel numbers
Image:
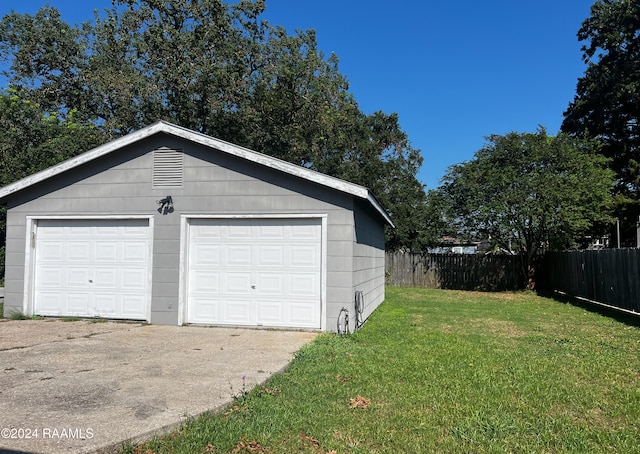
[
  {"x": 92, "y": 268},
  {"x": 260, "y": 272}
]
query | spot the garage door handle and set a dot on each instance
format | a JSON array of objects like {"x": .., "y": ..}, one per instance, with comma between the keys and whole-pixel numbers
[{"x": 253, "y": 287}]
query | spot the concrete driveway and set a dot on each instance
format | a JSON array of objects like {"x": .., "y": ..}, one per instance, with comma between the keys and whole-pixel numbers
[{"x": 80, "y": 386}]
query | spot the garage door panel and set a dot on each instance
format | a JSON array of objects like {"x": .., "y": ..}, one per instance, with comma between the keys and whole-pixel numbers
[
  {"x": 106, "y": 305},
  {"x": 53, "y": 230},
  {"x": 304, "y": 256},
  {"x": 205, "y": 309},
  {"x": 204, "y": 281},
  {"x": 135, "y": 251},
  {"x": 303, "y": 284},
  {"x": 271, "y": 231},
  {"x": 280, "y": 281},
  {"x": 133, "y": 306},
  {"x": 78, "y": 231},
  {"x": 270, "y": 313},
  {"x": 134, "y": 278},
  {"x": 103, "y": 268},
  {"x": 238, "y": 230},
  {"x": 270, "y": 255},
  {"x": 207, "y": 255},
  {"x": 106, "y": 251},
  {"x": 105, "y": 278},
  {"x": 269, "y": 284},
  {"x": 50, "y": 303},
  {"x": 50, "y": 251},
  {"x": 237, "y": 283},
  {"x": 79, "y": 251},
  {"x": 305, "y": 232},
  {"x": 238, "y": 312},
  {"x": 77, "y": 277},
  {"x": 202, "y": 231},
  {"x": 238, "y": 255},
  {"x": 52, "y": 277},
  {"x": 303, "y": 314},
  {"x": 77, "y": 304},
  {"x": 107, "y": 230}
]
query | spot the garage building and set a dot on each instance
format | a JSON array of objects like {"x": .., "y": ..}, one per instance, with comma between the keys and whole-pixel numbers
[{"x": 170, "y": 226}]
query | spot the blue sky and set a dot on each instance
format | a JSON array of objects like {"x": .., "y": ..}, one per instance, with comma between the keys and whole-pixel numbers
[{"x": 455, "y": 72}]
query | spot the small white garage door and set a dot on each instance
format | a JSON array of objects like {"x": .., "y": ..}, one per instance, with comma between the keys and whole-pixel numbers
[
  {"x": 259, "y": 272},
  {"x": 92, "y": 268}
]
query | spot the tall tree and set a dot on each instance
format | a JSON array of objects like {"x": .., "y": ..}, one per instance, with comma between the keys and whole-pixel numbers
[
  {"x": 45, "y": 57},
  {"x": 607, "y": 101},
  {"x": 186, "y": 61},
  {"x": 220, "y": 69},
  {"x": 33, "y": 139},
  {"x": 529, "y": 192}
]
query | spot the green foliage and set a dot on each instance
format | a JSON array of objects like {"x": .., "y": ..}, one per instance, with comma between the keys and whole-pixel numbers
[
  {"x": 606, "y": 105},
  {"x": 443, "y": 371},
  {"x": 16, "y": 315},
  {"x": 33, "y": 139},
  {"x": 527, "y": 192},
  {"x": 222, "y": 70},
  {"x": 45, "y": 56}
]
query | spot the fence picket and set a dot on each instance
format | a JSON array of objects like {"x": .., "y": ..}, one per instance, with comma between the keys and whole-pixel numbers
[
  {"x": 609, "y": 276},
  {"x": 455, "y": 271}
]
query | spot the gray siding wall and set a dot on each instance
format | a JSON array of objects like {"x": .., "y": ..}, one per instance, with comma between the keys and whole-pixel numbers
[
  {"x": 368, "y": 258},
  {"x": 214, "y": 183},
  {"x": 14, "y": 264}
]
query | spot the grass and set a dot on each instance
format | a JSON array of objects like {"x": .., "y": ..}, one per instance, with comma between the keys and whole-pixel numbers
[
  {"x": 17, "y": 315},
  {"x": 443, "y": 371}
]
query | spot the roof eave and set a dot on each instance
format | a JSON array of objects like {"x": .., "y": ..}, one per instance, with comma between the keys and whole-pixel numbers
[{"x": 202, "y": 139}]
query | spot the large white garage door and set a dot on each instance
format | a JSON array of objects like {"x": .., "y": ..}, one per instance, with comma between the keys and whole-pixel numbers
[
  {"x": 92, "y": 268},
  {"x": 260, "y": 272}
]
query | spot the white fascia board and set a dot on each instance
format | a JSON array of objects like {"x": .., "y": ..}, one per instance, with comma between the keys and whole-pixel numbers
[
  {"x": 202, "y": 139},
  {"x": 372, "y": 200}
]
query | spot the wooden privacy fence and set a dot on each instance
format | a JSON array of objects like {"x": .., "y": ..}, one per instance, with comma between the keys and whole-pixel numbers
[
  {"x": 608, "y": 276},
  {"x": 455, "y": 271}
]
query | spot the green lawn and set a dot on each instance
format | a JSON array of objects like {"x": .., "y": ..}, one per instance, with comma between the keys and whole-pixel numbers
[{"x": 444, "y": 371}]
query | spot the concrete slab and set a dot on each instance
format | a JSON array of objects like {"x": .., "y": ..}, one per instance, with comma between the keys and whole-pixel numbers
[{"x": 81, "y": 386}]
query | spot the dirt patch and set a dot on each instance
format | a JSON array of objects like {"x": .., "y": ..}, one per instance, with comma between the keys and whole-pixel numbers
[
  {"x": 501, "y": 328},
  {"x": 593, "y": 417}
]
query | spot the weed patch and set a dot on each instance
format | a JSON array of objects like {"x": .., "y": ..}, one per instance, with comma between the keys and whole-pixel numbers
[{"x": 17, "y": 315}]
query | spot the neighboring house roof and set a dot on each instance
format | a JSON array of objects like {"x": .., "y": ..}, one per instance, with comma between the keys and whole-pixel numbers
[{"x": 208, "y": 141}]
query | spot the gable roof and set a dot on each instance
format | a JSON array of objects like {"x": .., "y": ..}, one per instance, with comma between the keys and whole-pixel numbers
[{"x": 208, "y": 141}]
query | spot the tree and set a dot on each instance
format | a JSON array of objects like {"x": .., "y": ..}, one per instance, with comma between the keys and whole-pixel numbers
[
  {"x": 219, "y": 69},
  {"x": 45, "y": 57},
  {"x": 33, "y": 139},
  {"x": 607, "y": 101},
  {"x": 529, "y": 192}
]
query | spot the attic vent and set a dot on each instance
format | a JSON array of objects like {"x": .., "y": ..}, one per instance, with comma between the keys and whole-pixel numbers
[{"x": 168, "y": 166}]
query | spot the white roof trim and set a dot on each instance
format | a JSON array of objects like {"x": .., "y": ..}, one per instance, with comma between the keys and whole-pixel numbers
[{"x": 202, "y": 139}]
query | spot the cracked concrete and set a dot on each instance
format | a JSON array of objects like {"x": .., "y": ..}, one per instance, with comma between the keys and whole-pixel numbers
[{"x": 88, "y": 387}]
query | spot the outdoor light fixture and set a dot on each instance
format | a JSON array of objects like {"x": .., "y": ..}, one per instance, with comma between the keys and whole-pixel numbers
[{"x": 166, "y": 205}]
